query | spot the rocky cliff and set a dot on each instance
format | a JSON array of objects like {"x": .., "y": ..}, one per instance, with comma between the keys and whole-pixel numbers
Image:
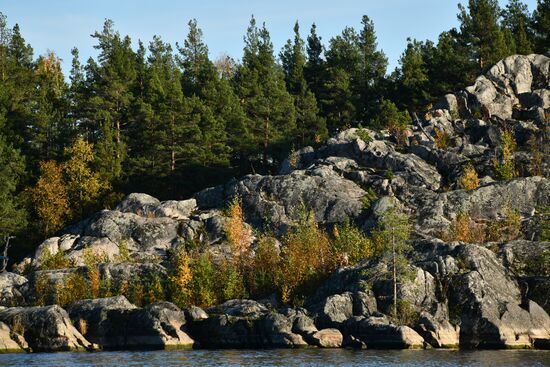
[{"x": 489, "y": 293}]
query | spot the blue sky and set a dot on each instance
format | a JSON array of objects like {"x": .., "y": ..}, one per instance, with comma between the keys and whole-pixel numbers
[{"x": 59, "y": 25}]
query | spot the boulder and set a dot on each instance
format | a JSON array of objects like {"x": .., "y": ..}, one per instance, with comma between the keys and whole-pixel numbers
[
  {"x": 246, "y": 328},
  {"x": 10, "y": 342},
  {"x": 438, "y": 332},
  {"x": 335, "y": 310},
  {"x": 194, "y": 313},
  {"x": 377, "y": 332},
  {"x": 46, "y": 329},
  {"x": 115, "y": 323},
  {"x": 328, "y": 338},
  {"x": 13, "y": 289}
]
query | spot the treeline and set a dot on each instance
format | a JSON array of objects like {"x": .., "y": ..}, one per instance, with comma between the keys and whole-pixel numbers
[{"x": 169, "y": 121}]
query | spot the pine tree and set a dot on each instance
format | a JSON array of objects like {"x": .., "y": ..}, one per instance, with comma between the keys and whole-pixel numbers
[
  {"x": 12, "y": 169},
  {"x": 269, "y": 107},
  {"x": 315, "y": 67},
  {"x": 516, "y": 20},
  {"x": 339, "y": 99},
  {"x": 18, "y": 90},
  {"x": 201, "y": 78},
  {"x": 413, "y": 81},
  {"x": 450, "y": 66},
  {"x": 50, "y": 131},
  {"x": 368, "y": 82},
  {"x": 541, "y": 25},
  {"x": 310, "y": 127},
  {"x": 479, "y": 25},
  {"x": 112, "y": 84}
]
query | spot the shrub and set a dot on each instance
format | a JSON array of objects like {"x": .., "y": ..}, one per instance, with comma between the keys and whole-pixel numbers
[
  {"x": 442, "y": 139},
  {"x": 369, "y": 198},
  {"x": 44, "y": 290},
  {"x": 238, "y": 233},
  {"x": 363, "y": 134},
  {"x": 136, "y": 291},
  {"x": 55, "y": 261},
  {"x": 464, "y": 229},
  {"x": 153, "y": 286},
  {"x": 123, "y": 252},
  {"x": 73, "y": 288},
  {"x": 229, "y": 282},
  {"x": 265, "y": 266},
  {"x": 506, "y": 229},
  {"x": 469, "y": 179},
  {"x": 351, "y": 242},
  {"x": 180, "y": 277},
  {"x": 406, "y": 313},
  {"x": 307, "y": 258},
  {"x": 503, "y": 163},
  {"x": 202, "y": 285}
]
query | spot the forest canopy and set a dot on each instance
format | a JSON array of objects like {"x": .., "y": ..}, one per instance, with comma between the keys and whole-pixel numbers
[{"x": 167, "y": 120}]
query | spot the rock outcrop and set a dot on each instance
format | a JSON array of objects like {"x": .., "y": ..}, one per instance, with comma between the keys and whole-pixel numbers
[
  {"x": 245, "y": 324},
  {"x": 46, "y": 329},
  {"x": 115, "y": 323}
]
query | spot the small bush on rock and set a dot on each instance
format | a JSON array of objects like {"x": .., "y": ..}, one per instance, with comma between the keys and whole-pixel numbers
[
  {"x": 469, "y": 179},
  {"x": 49, "y": 261},
  {"x": 503, "y": 162}
]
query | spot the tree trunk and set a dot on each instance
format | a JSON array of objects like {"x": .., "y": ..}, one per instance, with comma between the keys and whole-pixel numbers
[
  {"x": 266, "y": 142},
  {"x": 394, "y": 277},
  {"x": 172, "y": 149},
  {"x": 5, "y": 254}
]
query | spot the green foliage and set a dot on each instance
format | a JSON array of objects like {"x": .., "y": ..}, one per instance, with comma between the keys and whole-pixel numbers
[
  {"x": 263, "y": 275},
  {"x": 407, "y": 314},
  {"x": 229, "y": 282},
  {"x": 351, "y": 241},
  {"x": 480, "y": 28},
  {"x": 363, "y": 134},
  {"x": 310, "y": 127},
  {"x": 391, "y": 118},
  {"x": 503, "y": 163},
  {"x": 259, "y": 83},
  {"x": 123, "y": 252},
  {"x": 369, "y": 199},
  {"x": 12, "y": 168},
  {"x": 306, "y": 259},
  {"x": 541, "y": 26},
  {"x": 393, "y": 233},
  {"x": 73, "y": 288},
  {"x": 202, "y": 287},
  {"x": 49, "y": 261}
]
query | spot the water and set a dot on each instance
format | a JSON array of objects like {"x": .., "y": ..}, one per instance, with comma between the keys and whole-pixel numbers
[{"x": 308, "y": 357}]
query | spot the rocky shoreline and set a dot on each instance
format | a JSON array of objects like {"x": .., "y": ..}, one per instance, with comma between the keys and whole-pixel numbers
[{"x": 490, "y": 292}]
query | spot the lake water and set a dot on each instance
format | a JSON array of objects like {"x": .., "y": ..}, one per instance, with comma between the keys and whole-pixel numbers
[{"x": 308, "y": 357}]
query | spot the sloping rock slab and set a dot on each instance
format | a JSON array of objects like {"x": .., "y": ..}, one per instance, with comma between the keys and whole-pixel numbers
[{"x": 46, "y": 329}]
